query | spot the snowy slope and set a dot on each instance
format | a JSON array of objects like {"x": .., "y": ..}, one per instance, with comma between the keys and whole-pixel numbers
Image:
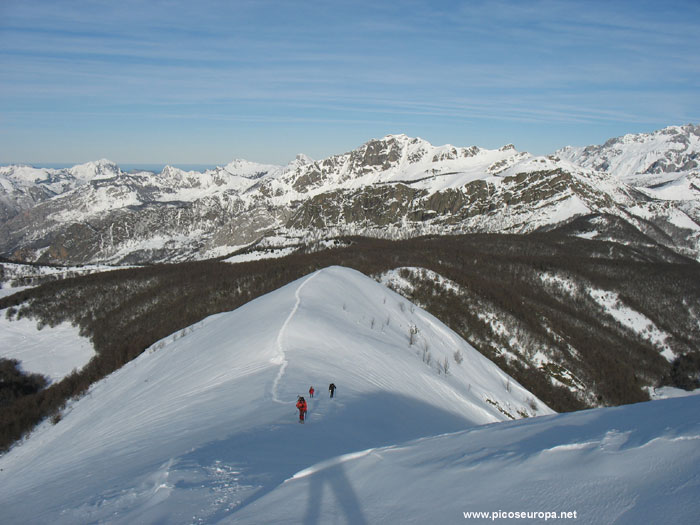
[
  {"x": 52, "y": 352},
  {"x": 672, "y": 149},
  {"x": 204, "y": 423},
  {"x": 625, "y": 465},
  {"x": 669, "y": 186}
]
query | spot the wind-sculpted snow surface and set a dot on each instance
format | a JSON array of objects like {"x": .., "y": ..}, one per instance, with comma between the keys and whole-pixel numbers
[
  {"x": 632, "y": 464},
  {"x": 203, "y": 424}
]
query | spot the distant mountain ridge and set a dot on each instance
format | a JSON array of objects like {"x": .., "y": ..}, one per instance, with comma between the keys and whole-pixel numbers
[
  {"x": 392, "y": 187},
  {"x": 672, "y": 149}
]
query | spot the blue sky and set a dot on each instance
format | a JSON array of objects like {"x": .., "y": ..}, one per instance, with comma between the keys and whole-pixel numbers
[{"x": 209, "y": 81}]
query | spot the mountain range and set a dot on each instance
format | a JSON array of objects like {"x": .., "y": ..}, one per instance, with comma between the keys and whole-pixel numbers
[{"x": 394, "y": 187}]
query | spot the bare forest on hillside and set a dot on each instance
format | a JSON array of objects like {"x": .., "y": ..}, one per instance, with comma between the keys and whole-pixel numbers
[{"x": 524, "y": 301}]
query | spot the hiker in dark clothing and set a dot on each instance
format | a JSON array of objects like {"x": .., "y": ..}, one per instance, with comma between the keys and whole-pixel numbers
[
  {"x": 331, "y": 388},
  {"x": 311, "y": 391}
]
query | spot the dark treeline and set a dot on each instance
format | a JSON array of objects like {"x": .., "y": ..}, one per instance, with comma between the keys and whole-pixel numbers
[
  {"x": 15, "y": 384},
  {"x": 593, "y": 359}
]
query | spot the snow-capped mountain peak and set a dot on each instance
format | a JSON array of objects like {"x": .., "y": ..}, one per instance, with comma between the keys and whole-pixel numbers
[
  {"x": 248, "y": 169},
  {"x": 302, "y": 159},
  {"x": 672, "y": 149},
  {"x": 169, "y": 171},
  {"x": 102, "y": 168}
]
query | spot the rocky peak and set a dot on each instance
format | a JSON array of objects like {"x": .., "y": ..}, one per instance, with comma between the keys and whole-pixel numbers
[{"x": 380, "y": 153}]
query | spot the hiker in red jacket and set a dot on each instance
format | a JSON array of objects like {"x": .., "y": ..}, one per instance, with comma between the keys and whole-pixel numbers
[
  {"x": 301, "y": 405},
  {"x": 311, "y": 391}
]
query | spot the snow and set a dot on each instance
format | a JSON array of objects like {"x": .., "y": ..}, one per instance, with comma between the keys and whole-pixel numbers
[
  {"x": 560, "y": 282},
  {"x": 18, "y": 276},
  {"x": 666, "y": 392},
  {"x": 588, "y": 235},
  {"x": 52, "y": 352},
  {"x": 642, "y": 211},
  {"x": 673, "y": 187},
  {"x": 394, "y": 280},
  {"x": 635, "y": 321},
  {"x": 243, "y": 187},
  {"x": 420, "y": 165},
  {"x": 6, "y": 290},
  {"x": 100, "y": 169},
  {"x": 22, "y": 176},
  {"x": 260, "y": 254},
  {"x": 681, "y": 220},
  {"x": 634, "y": 154},
  {"x": 153, "y": 243},
  {"x": 150, "y": 435},
  {"x": 611, "y": 303},
  {"x": 99, "y": 200},
  {"x": 632, "y": 464},
  {"x": 244, "y": 168},
  {"x": 201, "y": 428},
  {"x": 567, "y": 209}
]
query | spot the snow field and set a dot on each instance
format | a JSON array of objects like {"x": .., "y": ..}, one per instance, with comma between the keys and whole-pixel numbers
[
  {"x": 52, "y": 352},
  {"x": 632, "y": 464}
]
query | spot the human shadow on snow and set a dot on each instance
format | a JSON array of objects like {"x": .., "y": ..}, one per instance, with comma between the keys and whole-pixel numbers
[
  {"x": 335, "y": 479},
  {"x": 273, "y": 453}
]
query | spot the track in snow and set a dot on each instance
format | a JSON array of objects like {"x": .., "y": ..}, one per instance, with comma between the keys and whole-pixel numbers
[{"x": 281, "y": 358}]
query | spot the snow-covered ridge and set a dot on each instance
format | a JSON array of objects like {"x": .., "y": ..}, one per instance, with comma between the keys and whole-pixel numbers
[
  {"x": 399, "y": 158},
  {"x": 204, "y": 420},
  {"x": 672, "y": 149},
  {"x": 394, "y": 159},
  {"x": 253, "y": 170},
  {"x": 395, "y": 185},
  {"x": 101, "y": 172}
]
